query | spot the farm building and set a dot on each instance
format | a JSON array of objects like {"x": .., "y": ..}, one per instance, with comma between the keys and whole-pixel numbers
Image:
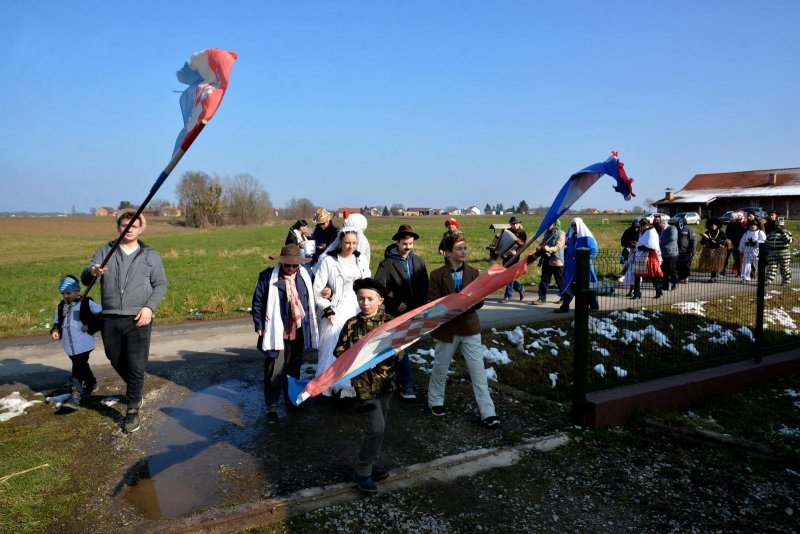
[{"x": 714, "y": 194}]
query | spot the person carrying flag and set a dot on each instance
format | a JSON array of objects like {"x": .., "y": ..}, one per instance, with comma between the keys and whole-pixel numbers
[{"x": 136, "y": 271}]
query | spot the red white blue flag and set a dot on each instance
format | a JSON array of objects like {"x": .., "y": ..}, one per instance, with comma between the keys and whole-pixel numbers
[
  {"x": 390, "y": 338},
  {"x": 580, "y": 182},
  {"x": 207, "y": 74}
]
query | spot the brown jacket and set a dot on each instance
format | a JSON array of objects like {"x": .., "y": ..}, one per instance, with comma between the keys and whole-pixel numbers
[{"x": 441, "y": 284}]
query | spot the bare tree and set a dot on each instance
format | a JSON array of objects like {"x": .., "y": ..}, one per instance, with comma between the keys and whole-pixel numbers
[
  {"x": 202, "y": 196},
  {"x": 299, "y": 208},
  {"x": 245, "y": 201}
]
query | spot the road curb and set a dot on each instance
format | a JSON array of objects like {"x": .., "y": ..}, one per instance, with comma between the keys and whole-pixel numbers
[{"x": 257, "y": 514}]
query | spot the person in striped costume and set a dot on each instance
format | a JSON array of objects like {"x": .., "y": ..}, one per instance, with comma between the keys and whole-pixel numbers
[{"x": 779, "y": 253}]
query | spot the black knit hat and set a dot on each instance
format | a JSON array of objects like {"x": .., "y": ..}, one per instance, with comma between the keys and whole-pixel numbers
[{"x": 370, "y": 283}]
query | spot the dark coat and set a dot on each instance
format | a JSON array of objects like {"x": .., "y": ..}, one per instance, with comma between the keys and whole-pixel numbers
[
  {"x": 467, "y": 323},
  {"x": 392, "y": 274},
  {"x": 258, "y": 308}
]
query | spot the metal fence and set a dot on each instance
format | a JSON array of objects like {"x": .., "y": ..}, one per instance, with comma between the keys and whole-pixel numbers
[{"x": 697, "y": 324}]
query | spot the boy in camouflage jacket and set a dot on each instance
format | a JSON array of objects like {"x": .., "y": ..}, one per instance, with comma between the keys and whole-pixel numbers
[{"x": 374, "y": 387}]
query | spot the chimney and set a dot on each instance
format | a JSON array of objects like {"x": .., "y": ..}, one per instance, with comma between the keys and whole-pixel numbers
[
  {"x": 773, "y": 178},
  {"x": 670, "y": 196}
]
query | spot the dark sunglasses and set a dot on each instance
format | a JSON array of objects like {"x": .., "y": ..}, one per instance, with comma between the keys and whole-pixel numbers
[{"x": 291, "y": 265}]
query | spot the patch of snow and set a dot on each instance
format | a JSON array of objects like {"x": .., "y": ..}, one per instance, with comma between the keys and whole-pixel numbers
[
  {"x": 628, "y": 316},
  {"x": 553, "y": 378},
  {"x": 516, "y": 337},
  {"x": 786, "y": 431},
  {"x": 695, "y": 308},
  {"x": 495, "y": 356},
  {"x": 622, "y": 373},
  {"x": 747, "y": 333},
  {"x": 491, "y": 374},
  {"x": 792, "y": 393},
  {"x": 14, "y": 405},
  {"x": 692, "y": 349},
  {"x": 650, "y": 332},
  {"x": 554, "y": 352},
  {"x": 779, "y": 316},
  {"x": 600, "y": 369},
  {"x": 603, "y": 326}
]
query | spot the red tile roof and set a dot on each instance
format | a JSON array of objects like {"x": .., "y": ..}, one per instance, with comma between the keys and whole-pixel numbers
[{"x": 729, "y": 180}]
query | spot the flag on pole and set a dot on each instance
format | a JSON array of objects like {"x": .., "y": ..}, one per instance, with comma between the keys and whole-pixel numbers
[
  {"x": 401, "y": 332},
  {"x": 207, "y": 74},
  {"x": 580, "y": 182}
]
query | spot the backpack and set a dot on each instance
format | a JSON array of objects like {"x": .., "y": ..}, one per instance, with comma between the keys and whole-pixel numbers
[{"x": 93, "y": 322}]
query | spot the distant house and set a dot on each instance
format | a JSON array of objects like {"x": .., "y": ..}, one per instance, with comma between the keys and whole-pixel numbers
[
  {"x": 416, "y": 212},
  {"x": 454, "y": 212},
  {"x": 714, "y": 194},
  {"x": 171, "y": 211},
  {"x": 473, "y": 210},
  {"x": 105, "y": 212},
  {"x": 592, "y": 211},
  {"x": 340, "y": 211},
  {"x": 373, "y": 212}
]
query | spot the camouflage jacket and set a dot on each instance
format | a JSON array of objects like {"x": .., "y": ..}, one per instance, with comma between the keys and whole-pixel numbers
[{"x": 378, "y": 380}]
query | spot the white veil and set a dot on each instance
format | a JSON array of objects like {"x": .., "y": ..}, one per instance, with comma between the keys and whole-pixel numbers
[{"x": 354, "y": 223}]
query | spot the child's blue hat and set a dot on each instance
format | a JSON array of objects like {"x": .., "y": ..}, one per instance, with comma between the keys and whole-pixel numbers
[{"x": 69, "y": 283}]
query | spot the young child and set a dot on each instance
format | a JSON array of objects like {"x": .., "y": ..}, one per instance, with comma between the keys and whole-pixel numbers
[
  {"x": 374, "y": 386},
  {"x": 74, "y": 336},
  {"x": 464, "y": 331}
]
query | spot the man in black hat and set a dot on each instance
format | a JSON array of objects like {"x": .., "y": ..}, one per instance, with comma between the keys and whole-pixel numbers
[
  {"x": 522, "y": 237},
  {"x": 406, "y": 279}
]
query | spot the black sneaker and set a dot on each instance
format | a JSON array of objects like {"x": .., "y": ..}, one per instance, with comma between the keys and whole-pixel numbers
[
  {"x": 437, "y": 410},
  {"x": 379, "y": 473},
  {"x": 132, "y": 423},
  {"x": 88, "y": 389},
  {"x": 365, "y": 484},
  {"x": 491, "y": 422}
]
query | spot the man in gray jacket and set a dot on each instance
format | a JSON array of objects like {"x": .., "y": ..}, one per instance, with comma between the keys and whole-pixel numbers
[
  {"x": 668, "y": 242},
  {"x": 551, "y": 257},
  {"x": 132, "y": 285}
]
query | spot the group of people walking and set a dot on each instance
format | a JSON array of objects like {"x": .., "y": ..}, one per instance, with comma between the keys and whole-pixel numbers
[
  {"x": 663, "y": 253},
  {"x": 329, "y": 299}
]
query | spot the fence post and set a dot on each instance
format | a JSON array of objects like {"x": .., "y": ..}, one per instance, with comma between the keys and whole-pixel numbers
[
  {"x": 761, "y": 291},
  {"x": 580, "y": 361}
]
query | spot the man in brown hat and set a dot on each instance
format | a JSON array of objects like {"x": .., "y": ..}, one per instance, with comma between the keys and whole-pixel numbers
[
  {"x": 324, "y": 233},
  {"x": 135, "y": 270},
  {"x": 284, "y": 319},
  {"x": 406, "y": 279}
]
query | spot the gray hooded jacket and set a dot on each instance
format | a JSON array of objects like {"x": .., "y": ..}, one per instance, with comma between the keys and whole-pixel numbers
[{"x": 144, "y": 285}]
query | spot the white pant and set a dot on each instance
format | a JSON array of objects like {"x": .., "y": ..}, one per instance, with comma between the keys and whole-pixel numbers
[{"x": 472, "y": 350}]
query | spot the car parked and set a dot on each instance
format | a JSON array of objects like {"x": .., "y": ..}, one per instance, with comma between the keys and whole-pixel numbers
[
  {"x": 692, "y": 217},
  {"x": 649, "y": 217},
  {"x": 727, "y": 217},
  {"x": 761, "y": 213}
]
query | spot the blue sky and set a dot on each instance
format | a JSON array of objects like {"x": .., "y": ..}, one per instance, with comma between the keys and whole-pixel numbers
[{"x": 423, "y": 103}]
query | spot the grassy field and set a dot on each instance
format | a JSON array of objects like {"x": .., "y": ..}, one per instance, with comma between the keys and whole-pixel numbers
[{"x": 211, "y": 273}]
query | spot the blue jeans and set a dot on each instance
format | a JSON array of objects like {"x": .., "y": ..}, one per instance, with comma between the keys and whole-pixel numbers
[
  {"x": 514, "y": 286},
  {"x": 403, "y": 372}
]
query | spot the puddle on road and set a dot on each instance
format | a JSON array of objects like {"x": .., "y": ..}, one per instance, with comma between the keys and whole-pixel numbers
[{"x": 208, "y": 430}]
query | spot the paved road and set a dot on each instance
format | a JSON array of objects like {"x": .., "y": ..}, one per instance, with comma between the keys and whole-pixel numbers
[{"x": 235, "y": 338}]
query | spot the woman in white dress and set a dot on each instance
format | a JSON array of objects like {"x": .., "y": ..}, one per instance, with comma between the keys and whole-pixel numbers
[{"x": 335, "y": 299}]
